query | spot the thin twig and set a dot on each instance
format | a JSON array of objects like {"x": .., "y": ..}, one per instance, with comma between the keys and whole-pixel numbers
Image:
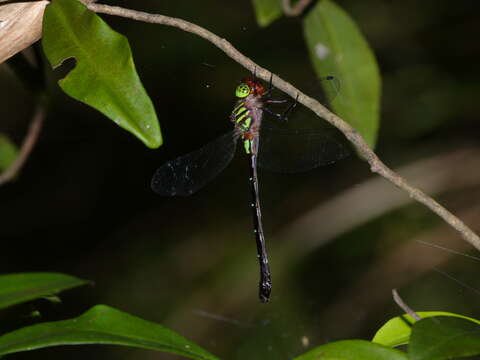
[
  {"x": 295, "y": 10},
  {"x": 376, "y": 165},
  {"x": 404, "y": 306},
  {"x": 27, "y": 145}
]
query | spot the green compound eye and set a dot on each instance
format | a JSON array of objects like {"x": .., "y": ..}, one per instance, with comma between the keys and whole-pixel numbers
[{"x": 243, "y": 90}]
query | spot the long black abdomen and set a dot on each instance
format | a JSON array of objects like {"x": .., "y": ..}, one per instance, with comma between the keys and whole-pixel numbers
[{"x": 265, "y": 285}]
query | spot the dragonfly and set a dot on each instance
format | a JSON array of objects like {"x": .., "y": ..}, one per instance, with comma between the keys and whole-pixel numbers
[{"x": 265, "y": 145}]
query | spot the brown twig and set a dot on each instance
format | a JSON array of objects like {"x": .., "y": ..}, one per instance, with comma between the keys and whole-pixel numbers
[
  {"x": 27, "y": 145},
  {"x": 295, "y": 10},
  {"x": 376, "y": 165},
  {"x": 404, "y": 306}
]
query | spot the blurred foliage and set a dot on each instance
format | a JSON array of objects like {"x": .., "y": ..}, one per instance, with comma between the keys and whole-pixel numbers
[
  {"x": 8, "y": 152},
  {"x": 267, "y": 11},
  {"x": 353, "y": 350},
  {"x": 83, "y": 205},
  {"x": 19, "y": 288},
  {"x": 337, "y": 48}
]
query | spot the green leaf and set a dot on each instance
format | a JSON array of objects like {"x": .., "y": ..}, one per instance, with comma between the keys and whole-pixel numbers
[
  {"x": 352, "y": 350},
  {"x": 397, "y": 331},
  {"x": 441, "y": 337},
  {"x": 18, "y": 288},
  {"x": 338, "y": 48},
  {"x": 267, "y": 11},
  {"x": 8, "y": 152},
  {"x": 104, "y": 76},
  {"x": 101, "y": 325}
]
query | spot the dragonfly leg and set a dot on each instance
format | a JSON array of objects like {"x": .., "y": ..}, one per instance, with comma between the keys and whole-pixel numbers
[
  {"x": 277, "y": 115},
  {"x": 270, "y": 88},
  {"x": 290, "y": 108},
  {"x": 284, "y": 115},
  {"x": 272, "y": 101},
  {"x": 266, "y": 98}
]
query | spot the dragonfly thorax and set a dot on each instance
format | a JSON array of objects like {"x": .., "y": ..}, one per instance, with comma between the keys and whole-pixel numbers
[
  {"x": 247, "y": 117},
  {"x": 247, "y": 114}
]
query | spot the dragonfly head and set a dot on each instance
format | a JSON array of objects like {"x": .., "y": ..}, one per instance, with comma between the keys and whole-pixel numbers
[
  {"x": 249, "y": 86},
  {"x": 242, "y": 91}
]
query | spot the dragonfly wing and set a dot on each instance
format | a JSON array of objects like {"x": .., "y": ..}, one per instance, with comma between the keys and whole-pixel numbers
[
  {"x": 291, "y": 151},
  {"x": 187, "y": 174}
]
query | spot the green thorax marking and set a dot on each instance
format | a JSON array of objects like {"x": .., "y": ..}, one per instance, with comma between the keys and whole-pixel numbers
[
  {"x": 241, "y": 117},
  {"x": 243, "y": 122},
  {"x": 247, "y": 144}
]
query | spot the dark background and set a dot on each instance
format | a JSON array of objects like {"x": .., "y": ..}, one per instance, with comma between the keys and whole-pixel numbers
[{"x": 339, "y": 237}]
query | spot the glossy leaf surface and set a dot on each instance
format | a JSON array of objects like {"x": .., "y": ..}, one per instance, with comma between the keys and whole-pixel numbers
[
  {"x": 104, "y": 76},
  {"x": 101, "y": 325},
  {"x": 397, "y": 331},
  {"x": 443, "y": 337}
]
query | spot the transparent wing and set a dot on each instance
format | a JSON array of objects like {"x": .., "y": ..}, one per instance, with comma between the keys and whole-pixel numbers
[
  {"x": 290, "y": 151},
  {"x": 187, "y": 174}
]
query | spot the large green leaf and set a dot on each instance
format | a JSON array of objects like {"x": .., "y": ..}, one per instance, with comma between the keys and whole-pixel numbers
[
  {"x": 352, "y": 350},
  {"x": 397, "y": 331},
  {"x": 18, "y": 288},
  {"x": 441, "y": 337},
  {"x": 267, "y": 11},
  {"x": 8, "y": 152},
  {"x": 101, "y": 325},
  {"x": 104, "y": 76},
  {"x": 338, "y": 48}
]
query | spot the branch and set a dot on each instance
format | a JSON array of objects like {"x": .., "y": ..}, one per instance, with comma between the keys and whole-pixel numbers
[
  {"x": 295, "y": 10},
  {"x": 376, "y": 165},
  {"x": 27, "y": 145}
]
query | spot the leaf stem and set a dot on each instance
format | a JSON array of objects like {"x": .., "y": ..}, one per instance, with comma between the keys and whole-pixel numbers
[
  {"x": 296, "y": 9},
  {"x": 403, "y": 305}
]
